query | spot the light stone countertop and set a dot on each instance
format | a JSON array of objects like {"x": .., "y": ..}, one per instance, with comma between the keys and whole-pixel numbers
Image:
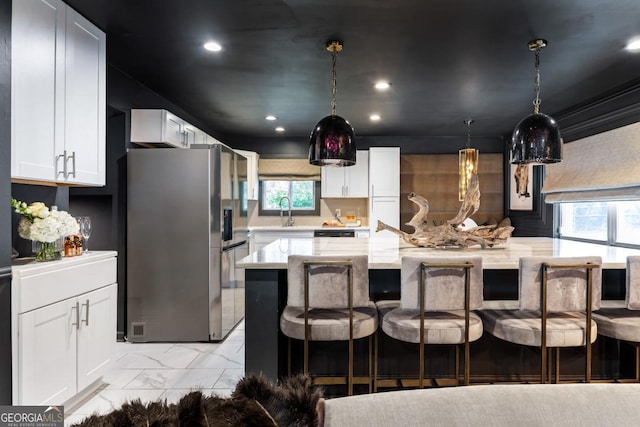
[
  {"x": 29, "y": 266},
  {"x": 386, "y": 252}
]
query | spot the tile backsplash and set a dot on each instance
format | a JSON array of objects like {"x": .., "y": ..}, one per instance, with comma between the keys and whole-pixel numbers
[{"x": 327, "y": 209}]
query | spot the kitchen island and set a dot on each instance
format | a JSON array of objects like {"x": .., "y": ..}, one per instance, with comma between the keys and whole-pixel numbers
[{"x": 266, "y": 279}]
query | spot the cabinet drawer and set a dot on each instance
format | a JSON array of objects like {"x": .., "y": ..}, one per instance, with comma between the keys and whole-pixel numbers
[{"x": 40, "y": 289}]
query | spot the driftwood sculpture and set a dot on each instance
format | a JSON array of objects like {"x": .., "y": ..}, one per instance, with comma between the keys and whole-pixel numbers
[{"x": 450, "y": 234}]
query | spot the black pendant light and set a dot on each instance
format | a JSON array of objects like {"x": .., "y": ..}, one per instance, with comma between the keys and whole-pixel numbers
[
  {"x": 333, "y": 141},
  {"x": 536, "y": 139}
]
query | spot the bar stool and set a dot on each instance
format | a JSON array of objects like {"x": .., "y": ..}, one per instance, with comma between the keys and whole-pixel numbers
[
  {"x": 436, "y": 299},
  {"x": 557, "y": 296},
  {"x": 622, "y": 321},
  {"x": 328, "y": 300}
]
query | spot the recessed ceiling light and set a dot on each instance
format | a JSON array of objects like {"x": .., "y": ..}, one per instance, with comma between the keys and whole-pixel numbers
[
  {"x": 213, "y": 46},
  {"x": 382, "y": 85},
  {"x": 270, "y": 117},
  {"x": 279, "y": 129},
  {"x": 374, "y": 117},
  {"x": 633, "y": 45}
]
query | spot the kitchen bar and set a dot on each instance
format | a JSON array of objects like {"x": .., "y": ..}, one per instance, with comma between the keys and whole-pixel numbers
[{"x": 266, "y": 279}]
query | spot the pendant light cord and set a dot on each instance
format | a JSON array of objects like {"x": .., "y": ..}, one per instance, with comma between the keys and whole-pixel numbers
[
  {"x": 536, "y": 102},
  {"x": 334, "y": 56},
  {"x": 468, "y": 122}
]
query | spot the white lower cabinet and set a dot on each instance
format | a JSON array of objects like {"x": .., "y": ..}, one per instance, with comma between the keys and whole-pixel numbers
[
  {"x": 385, "y": 209},
  {"x": 47, "y": 354},
  {"x": 96, "y": 334},
  {"x": 65, "y": 329},
  {"x": 66, "y": 346}
]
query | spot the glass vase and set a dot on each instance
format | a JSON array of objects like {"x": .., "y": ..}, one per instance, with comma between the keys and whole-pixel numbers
[{"x": 47, "y": 251}]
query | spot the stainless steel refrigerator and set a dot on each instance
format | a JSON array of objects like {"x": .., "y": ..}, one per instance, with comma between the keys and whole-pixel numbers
[{"x": 186, "y": 227}]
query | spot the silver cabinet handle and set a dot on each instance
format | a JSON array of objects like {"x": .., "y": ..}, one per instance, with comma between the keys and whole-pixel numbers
[
  {"x": 86, "y": 320},
  {"x": 373, "y": 193},
  {"x": 73, "y": 164},
  {"x": 77, "y": 322},
  {"x": 62, "y": 156}
]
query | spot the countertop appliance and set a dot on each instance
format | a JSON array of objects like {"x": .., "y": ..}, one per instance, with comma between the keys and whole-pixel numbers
[{"x": 186, "y": 227}]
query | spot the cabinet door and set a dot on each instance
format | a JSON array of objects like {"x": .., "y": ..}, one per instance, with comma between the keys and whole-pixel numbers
[
  {"x": 385, "y": 209},
  {"x": 200, "y": 137},
  {"x": 85, "y": 101},
  {"x": 173, "y": 130},
  {"x": 252, "y": 173},
  {"x": 33, "y": 83},
  {"x": 357, "y": 176},
  {"x": 332, "y": 182},
  {"x": 47, "y": 354},
  {"x": 97, "y": 334},
  {"x": 189, "y": 135},
  {"x": 384, "y": 171}
]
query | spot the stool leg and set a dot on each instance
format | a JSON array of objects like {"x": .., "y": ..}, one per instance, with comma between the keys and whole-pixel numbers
[
  {"x": 457, "y": 365},
  {"x": 375, "y": 362},
  {"x": 370, "y": 359},
  {"x": 421, "y": 367},
  {"x": 557, "y": 365},
  {"x": 350, "y": 374},
  {"x": 637, "y": 363}
]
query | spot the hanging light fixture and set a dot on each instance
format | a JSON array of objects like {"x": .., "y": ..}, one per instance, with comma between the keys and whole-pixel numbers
[
  {"x": 536, "y": 139},
  {"x": 333, "y": 141},
  {"x": 467, "y": 163}
]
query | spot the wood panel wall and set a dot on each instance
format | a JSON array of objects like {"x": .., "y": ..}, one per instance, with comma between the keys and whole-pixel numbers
[{"x": 435, "y": 177}]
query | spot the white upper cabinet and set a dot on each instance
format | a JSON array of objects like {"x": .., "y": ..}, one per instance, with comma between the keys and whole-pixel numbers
[
  {"x": 155, "y": 127},
  {"x": 384, "y": 171},
  {"x": 58, "y": 83},
  {"x": 85, "y": 106},
  {"x": 252, "y": 173},
  {"x": 352, "y": 181}
]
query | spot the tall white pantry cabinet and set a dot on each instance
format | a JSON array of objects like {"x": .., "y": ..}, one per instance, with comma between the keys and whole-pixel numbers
[
  {"x": 63, "y": 327},
  {"x": 384, "y": 187},
  {"x": 58, "y": 95}
]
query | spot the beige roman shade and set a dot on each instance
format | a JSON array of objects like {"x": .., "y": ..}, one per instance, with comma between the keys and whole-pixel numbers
[
  {"x": 287, "y": 169},
  {"x": 602, "y": 167}
]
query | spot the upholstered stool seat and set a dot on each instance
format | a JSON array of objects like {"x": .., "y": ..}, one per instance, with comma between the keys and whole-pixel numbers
[
  {"x": 618, "y": 323},
  {"x": 327, "y": 324},
  {"x": 523, "y": 327},
  {"x": 440, "y": 327}
]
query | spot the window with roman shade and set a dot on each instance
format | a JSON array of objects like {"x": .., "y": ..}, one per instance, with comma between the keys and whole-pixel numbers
[
  {"x": 602, "y": 167},
  {"x": 287, "y": 170},
  {"x": 288, "y": 181},
  {"x": 597, "y": 187}
]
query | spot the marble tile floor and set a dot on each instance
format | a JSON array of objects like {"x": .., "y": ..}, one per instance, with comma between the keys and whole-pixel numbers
[{"x": 167, "y": 371}]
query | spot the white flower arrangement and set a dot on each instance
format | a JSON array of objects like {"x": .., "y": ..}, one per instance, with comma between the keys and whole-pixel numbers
[{"x": 41, "y": 224}]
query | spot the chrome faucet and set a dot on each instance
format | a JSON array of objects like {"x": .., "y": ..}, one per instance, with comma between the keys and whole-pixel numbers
[{"x": 290, "y": 220}]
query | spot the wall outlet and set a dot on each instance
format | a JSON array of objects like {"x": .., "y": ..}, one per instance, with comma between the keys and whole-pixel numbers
[{"x": 338, "y": 212}]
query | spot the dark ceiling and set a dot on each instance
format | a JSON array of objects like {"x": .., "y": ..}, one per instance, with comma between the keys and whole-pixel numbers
[{"x": 447, "y": 60}]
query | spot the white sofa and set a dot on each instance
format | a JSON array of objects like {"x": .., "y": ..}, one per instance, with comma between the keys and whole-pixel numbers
[{"x": 519, "y": 405}]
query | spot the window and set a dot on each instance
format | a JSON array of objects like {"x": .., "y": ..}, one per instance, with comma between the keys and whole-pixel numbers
[
  {"x": 615, "y": 223},
  {"x": 304, "y": 197},
  {"x": 628, "y": 222}
]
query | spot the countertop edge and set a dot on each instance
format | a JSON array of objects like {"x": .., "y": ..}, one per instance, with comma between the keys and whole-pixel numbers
[{"x": 41, "y": 267}]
